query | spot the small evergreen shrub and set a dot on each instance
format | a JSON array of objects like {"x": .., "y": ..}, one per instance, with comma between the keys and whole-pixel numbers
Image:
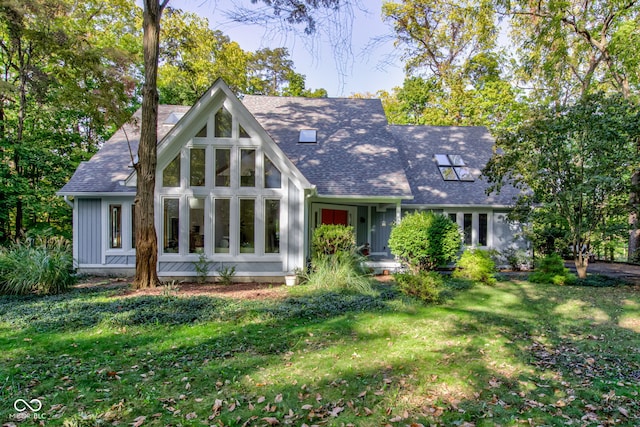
[
  {"x": 551, "y": 269},
  {"x": 329, "y": 239},
  {"x": 43, "y": 266},
  {"x": 476, "y": 265},
  {"x": 425, "y": 241},
  {"x": 425, "y": 285}
]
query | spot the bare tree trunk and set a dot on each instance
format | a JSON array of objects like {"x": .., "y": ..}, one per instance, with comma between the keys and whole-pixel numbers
[
  {"x": 146, "y": 238},
  {"x": 582, "y": 262}
]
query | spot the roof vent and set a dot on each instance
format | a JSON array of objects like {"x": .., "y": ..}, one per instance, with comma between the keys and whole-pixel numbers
[
  {"x": 173, "y": 118},
  {"x": 308, "y": 136},
  {"x": 453, "y": 168}
]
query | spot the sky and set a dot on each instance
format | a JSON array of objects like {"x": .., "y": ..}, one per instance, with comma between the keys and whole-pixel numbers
[{"x": 366, "y": 59}]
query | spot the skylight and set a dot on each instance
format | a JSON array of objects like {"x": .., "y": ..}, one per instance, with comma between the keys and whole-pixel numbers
[
  {"x": 308, "y": 136},
  {"x": 453, "y": 168}
]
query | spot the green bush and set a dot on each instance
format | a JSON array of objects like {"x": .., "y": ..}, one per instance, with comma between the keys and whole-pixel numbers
[
  {"x": 476, "y": 265},
  {"x": 329, "y": 239},
  {"x": 516, "y": 258},
  {"x": 551, "y": 269},
  {"x": 425, "y": 285},
  {"x": 425, "y": 241},
  {"x": 43, "y": 266},
  {"x": 341, "y": 271}
]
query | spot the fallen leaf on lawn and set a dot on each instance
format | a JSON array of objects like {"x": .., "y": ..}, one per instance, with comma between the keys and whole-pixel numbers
[
  {"x": 396, "y": 419},
  {"x": 318, "y": 397},
  {"x": 307, "y": 407},
  {"x": 367, "y": 411},
  {"x": 187, "y": 386},
  {"x": 272, "y": 421},
  {"x": 416, "y": 425},
  {"x": 278, "y": 398},
  {"x": 217, "y": 405},
  {"x": 335, "y": 411},
  {"x": 494, "y": 383},
  {"x": 191, "y": 415},
  {"x": 363, "y": 394},
  {"x": 623, "y": 411},
  {"x": 138, "y": 421},
  {"x": 261, "y": 399},
  {"x": 232, "y": 407}
]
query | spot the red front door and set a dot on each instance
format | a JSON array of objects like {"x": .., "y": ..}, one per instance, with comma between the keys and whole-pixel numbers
[{"x": 335, "y": 216}]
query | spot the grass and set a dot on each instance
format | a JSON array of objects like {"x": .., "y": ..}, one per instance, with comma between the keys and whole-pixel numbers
[{"x": 514, "y": 353}]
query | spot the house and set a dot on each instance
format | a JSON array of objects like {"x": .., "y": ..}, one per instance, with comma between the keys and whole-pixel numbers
[{"x": 244, "y": 183}]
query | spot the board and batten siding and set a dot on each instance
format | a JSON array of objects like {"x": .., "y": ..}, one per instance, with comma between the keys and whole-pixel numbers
[{"x": 89, "y": 232}]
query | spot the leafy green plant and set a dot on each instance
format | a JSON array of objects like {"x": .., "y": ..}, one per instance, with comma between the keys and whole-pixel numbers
[
  {"x": 476, "y": 265},
  {"x": 43, "y": 266},
  {"x": 551, "y": 269},
  {"x": 341, "y": 271},
  {"x": 226, "y": 274},
  {"x": 516, "y": 258},
  {"x": 329, "y": 239},
  {"x": 425, "y": 285},
  {"x": 202, "y": 267},
  {"x": 425, "y": 241}
]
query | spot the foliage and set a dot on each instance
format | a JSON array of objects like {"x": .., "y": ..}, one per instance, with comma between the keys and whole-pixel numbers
[
  {"x": 516, "y": 258},
  {"x": 551, "y": 269},
  {"x": 425, "y": 285},
  {"x": 477, "y": 265},
  {"x": 575, "y": 161},
  {"x": 425, "y": 241},
  {"x": 330, "y": 239},
  {"x": 43, "y": 266},
  {"x": 202, "y": 267},
  {"x": 340, "y": 271},
  {"x": 226, "y": 274}
]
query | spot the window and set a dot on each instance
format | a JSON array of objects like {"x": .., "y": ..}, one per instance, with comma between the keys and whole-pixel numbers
[
  {"x": 223, "y": 123},
  {"x": 223, "y": 167},
  {"x": 197, "y": 167},
  {"x": 115, "y": 229},
  {"x": 196, "y": 225},
  {"x": 221, "y": 225},
  {"x": 453, "y": 217},
  {"x": 171, "y": 174},
  {"x": 247, "y": 168},
  {"x": 243, "y": 133},
  {"x": 453, "y": 168},
  {"x": 247, "y": 226},
  {"x": 202, "y": 133},
  {"x": 482, "y": 229},
  {"x": 272, "y": 176},
  {"x": 467, "y": 229},
  {"x": 271, "y": 226},
  {"x": 171, "y": 225},
  {"x": 133, "y": 226},
  {"x": 308, "y": 136}
]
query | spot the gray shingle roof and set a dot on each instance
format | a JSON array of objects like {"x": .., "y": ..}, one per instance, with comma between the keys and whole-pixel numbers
[
  {"x": 355, "y": 154},
  {"x": 418, "y": 145},
  {"x": 106, "y": 170}
]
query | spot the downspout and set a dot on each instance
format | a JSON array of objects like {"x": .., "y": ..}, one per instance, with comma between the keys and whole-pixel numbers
[{"x": 68, "y": 202}]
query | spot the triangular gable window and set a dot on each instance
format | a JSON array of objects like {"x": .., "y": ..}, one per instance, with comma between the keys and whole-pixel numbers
[
  {"x": 243, "y": 133},
  {"x": 202, "y": 133}
]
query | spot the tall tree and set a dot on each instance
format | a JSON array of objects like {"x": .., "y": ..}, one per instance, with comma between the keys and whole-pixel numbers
[
  {"x": 293, "y": 11},
  {"x": 573, "y": 161}
]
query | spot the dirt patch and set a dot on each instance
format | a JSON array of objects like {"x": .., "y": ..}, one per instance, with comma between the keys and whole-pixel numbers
[{"x": 249, "y": 290}]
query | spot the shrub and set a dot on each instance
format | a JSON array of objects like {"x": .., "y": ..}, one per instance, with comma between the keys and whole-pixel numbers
[
  {"x": 341, "y": 271},
  {"x": 516, "y": 258},
  {"x": 329, "y": 239},
  {"x": 425, "y": 285},
  {"x": 476, "y": 265},
  {"x": 226, "y": 274},
  {"x": 43, "y": 266},
  {"x": 551, "y": 269},
  {"x": 425, "y": 241}
]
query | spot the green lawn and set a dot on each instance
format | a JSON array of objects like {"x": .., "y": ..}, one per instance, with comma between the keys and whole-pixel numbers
[{"x": 512, "y": 354}]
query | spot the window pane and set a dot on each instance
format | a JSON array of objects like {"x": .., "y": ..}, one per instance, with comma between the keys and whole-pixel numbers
[
  {"x": 196, "y": 167},
  {"x": 482, "y": 229},
  {"x": 453, "y": 217},
  {"x": 272, "y": 226},
  {"x": 171, "y": 174},
  {"x": 115, "y": 221},
  {"x": 272, "y": 176},
  {"x": 133, "y": 226},
  {"x": 223, "y": 123},
  {"x": 196, "y": 225},
  {"x": 448, "y": 174},
  {"x": 221, "y": 225},
  {"x": 467, "y": 227},
  {"x": 171, "y": 225},
  {"x": 247, "y": 226},
  {"x": 243, "y": 133},
  {"x": 223, "y": 167},
  {"x": 456, "y": 160},
  {"x": 465, "y": 173},
  {"x": 247, "y": 168},
  {"x": 442, "y": 160},
  {"x": 202, "y": 133}
]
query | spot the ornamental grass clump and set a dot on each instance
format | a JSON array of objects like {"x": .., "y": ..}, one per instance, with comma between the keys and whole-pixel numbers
[{"x": 43, "y": 266}]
